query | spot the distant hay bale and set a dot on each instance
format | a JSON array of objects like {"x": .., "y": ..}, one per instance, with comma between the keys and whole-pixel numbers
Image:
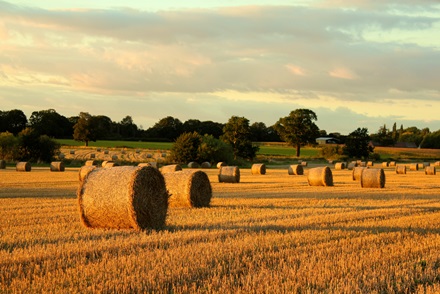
[
  {"x": 138, "y": 151},
  {"x": 2, "y": 164},
  {"x": 425, "y": 164},
  {"x": 105, "y": 151},
  {"x": 229, "y": 174},
  {"x": 392, "y": 163},
  {"x": 114, "y": 157},
  {"x": 23, "y": 166},
  {"x": 373, "y": 178},
  {"x": 126, "y": 197},
  {"x": 340, "y": 165},
  {"x": 90, "y": 162},
  {"x": 370, "y": 163},
  {"x": 363, "y": 164},
  {"x": 351, "y": 165},
  {"x": 295, "y": 169},
  {"x": 205, "y": 164},
  {"x": 357, "y": 172},
  {"x": 149, "y": 155},
  {"x": 320, "y": 176},
  {"x": 123, "y": 151},
  {"x": 98, "y": 149},
  {"x": 61, "y": 155},
  {"x": 57, "y": 166},
  {"x": 193, "y": 164},
  {"x": 188, "y": 188},
  {"x": 110, "y": 164},
  {"x": 170, "y": 168},
  {"x": 92, "y": 155},
  {"x": 421, "y": 165},
  {"x": 220, "y": 164},
  {"x": 413, "y": 166},
  {"x": 430, "y": 170},
  {"x": 304, "y": 163},
  {"x": 142, "y": 164},
  {"x": 84, "y": 171},
  {"x": 163, "y": 155},
  {"x": 72, "y": 151},
  {"x": 437, "y": 163},
  {"x": 401, "y": 169},
  {"x": 258, "y": 169},
  {"x": 385, "y": 164}
]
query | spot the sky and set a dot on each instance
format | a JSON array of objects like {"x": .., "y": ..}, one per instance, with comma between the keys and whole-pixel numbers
[{"x": 355, "y": 63}]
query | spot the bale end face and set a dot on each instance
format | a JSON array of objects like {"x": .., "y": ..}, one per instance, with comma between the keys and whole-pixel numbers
[
  {"x": 320, "y": 176},
  {"x": 430, "y": 170},
  {"x": 258, "y": 169},
  {"x": 23, "y": 167},
  {"x": 295, "y": 169},
  {"x": 373, "y": 178},
  {"x": 57, "y": 166}
]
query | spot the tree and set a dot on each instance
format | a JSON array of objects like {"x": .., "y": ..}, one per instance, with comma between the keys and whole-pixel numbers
[
  {"x": 298, "y": 129},
  {"x": 236, "y": 133},
  {"x": 13, "y": 121},
  {"x": 185, "y": 149},
  {"x": 127, "y": 127},
  {"x": 357, "y": 144},
  {"x": 49, "y": 122},
  {"x": 8, "y": 145},
  {"x": 167, "y": 128},
  {"x": 214, "y": 150},
  {"x": 84, "y": 130},
  {"x": 35, "y": 147}
]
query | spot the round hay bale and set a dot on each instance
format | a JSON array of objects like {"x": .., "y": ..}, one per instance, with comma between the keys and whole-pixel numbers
[
  {"x": 142, "y": 164},
  {"x": 373, "y": 178},
  {"x": 126, "y": 197},
  {"x": 98, "y": 149},
  {"x": 414, "y": 166},
  {"x": 149, "y": 155},
  {"x": 23, "y": 166},
  {"x": 72, "y": 152},
  {"x": 401, "y": 169},
  {"x": 61, "y": 156},
  {"x": 362, "y": 163},
  {"x": 193, "y": 164},
  {"x": 385, "y": 164},
  {"x": 114, "y": 157},
  {"x": 163, "y": 155},
  {"x": 105, "y": 151},
  {"x": 155, "y": 164},
  {"x": 421, "y": 165},
  {"x": 92, "y": 155},
  {"x": 57, "y": 166},
  {"x": 258, "y": 169},
  {"x": 2, "y": 164},
  {"x": 90, "y": 162},
  {"x": 229, "y": 174},
  {"x": 437, "y": 163},
  {"x": 351, "y": 165},
  {"x": 170, "y": 168},
  {"x": 392, "y": 163},
  {"x": 304, "y": 163},
  {"x": 357, "y": 172},
  {"x": 320, "y": 176},
  {"x": 370, "y": 163},
  {"x": 430, "y": 170},
  {"x": 110, "y": 164},
  {"x": 295, "y": 169},
  {"x": 188, "y": 188},
  {"x": 220, "y": 164},
  {"x": 425, "y": 164},
  {"x": 123, "y": 151},
  {"x": 205, "y": 164},
  {"x": 84, "y": 171},
  {"x": 340, "y": 165},
  {"x": 138, "y": 151}
]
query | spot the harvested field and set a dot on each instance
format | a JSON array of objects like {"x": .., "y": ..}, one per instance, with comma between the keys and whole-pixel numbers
[{"x": 273, "y": 234}]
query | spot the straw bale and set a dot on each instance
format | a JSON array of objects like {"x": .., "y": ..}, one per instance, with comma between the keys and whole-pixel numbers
[
  {"x": 125, "y": 197},
  {"x": 110, "y": 164},
  {"x": 385, "y": 164},
  {"x": 57, "y": 166},
  {"x": 2, "y": 164},
  {"x": 220, "y": 164},
  {"x": 229, "y": 174},
  {"x": 373, "y": 178},
  {"x": 170, "y": 168},
  {"x": 320, "y": 176},
  {"x": 193, "y": 164},
  {"x": 105, "y": 151},
  {"x": 295, "y": 169},
  {"x": 61, "y": 155},
  {"x": 90, "y": 162},
  {"x": 363, "y": 164},
  {"x": 98, "y": 149},
  {"x": 340, "y": 165},
  {"x": 351, "y": 165},
  {"x": 163, "y": 155},
  {"x": 72, "y": 151},
  {"x": 188, "y": 188},
  {"x": 392, "y": 163},
  {"x": 142, "y": 164},
  {"x": 84, "y": 171},
  {"x": 401, "y": 169},
  {"x": 430, "y": 170},
  {"x": 23, "y": 166},
  {"x": 370, "y": 163},
  {"x": 356, "y": 174},
  {"x": 437, "y": 163},
  {"x": 123, "y": 151},
  {"x": 258, "y": 169},
  {"x": 92, "y": 155},
  {"x": 149, "y": 155},
  {"x": 304, "y": 163},
  {"x": 413, "y": 166},
  {"x": 205, "y": 164},
  {"x": 425, "y": 164},
  {"x": 114, "y": 157},
  {"x": 138, "y": 151}
]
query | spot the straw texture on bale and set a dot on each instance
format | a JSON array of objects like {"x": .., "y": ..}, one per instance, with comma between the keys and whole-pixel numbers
[
  {"x": 392, "y": 163},
  {"x": 229, "y": 174},
  {"x": 2, "y": 164},
  {"x": 320, "y": 176},
  {"x": 126, "y": 197},
  {"x": 205, "y": 164},
  {"x": 430, "y": 170},
  {"x": 23, "y": 166},
  {"x": 90, "y": 162},
  {"x": 110, "y": 164},
  {"x": 84, "y": 171},
  {"x": 144, "y": 164},
  {"x": 357, "y": 172},
  {"x": 170, "y": 168},
  {"x": 295, "y": 169},
  {"x": 193, "y": 164},
  {"x": 413, "y": 166},
  {"x": 220, "y": 164},
  {"x": 370, "y": 163},
  {"x": 401, "y": 169},
  {"x": 351, "y": 165},
  {"x": 57, "y": 166},
  {"x": 258, "y": 169},
  {"x": 373, "y": 178},
  {"x": 188, "y": 188},
  {"x": 385, "y": 164},
  {"x": 340, "y": 165}
]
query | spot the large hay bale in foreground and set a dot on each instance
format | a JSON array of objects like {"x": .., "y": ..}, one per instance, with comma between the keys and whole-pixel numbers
[
  {"x": 401, "y": 169},
  {"x": 229, "y": 174},
  {"x": 220, "y": 164},
  {"x": 2, "y": 164},
  {"x": 188, "y": 188},
  {"x": 126, "y": 197},
  {"x": 258, "y": 169},
  {"x": 357, "y": 172},
  {"x": 430, "y": 170},
  {"x": 340, "y": 165},
  {"x": 320, "y": 176},
  {"x": 373, "y": 178},
  {"x": 90, "y": 162},
  {"x": 57, "y": 166},
  {"x": 84, "y": 171},
  {"x": 414, "y": 166},
  {"x": 295, "y": 169},
  {"x": 170, "y": 168},
  {"x": 23, "y": 166}
]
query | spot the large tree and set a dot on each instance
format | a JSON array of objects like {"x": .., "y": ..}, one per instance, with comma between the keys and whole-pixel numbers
[
  {"x": 84, "y": 130},
  {"x": 13, "y": 121},
  {"x": 298, "y": 128},
  {"x": 357, "y": 144},
  {"x": 237, "y": 133},
  {"x": 50, "y": 123}
]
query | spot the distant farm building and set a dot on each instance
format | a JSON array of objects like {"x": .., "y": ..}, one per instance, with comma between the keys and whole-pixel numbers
[{"x": 327, "y": 140}]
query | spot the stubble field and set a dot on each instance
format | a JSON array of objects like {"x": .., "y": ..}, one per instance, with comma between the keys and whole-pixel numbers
[{"x": 269, "y": 233}]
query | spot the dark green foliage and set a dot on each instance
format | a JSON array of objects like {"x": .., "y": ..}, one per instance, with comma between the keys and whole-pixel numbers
[
  {"x": 331, "y": 152},
  {"x": 357, "y": 144},
  {"x": 84, "y": 130},
  {"x": 236, "y": 133},
  {"x": 431, "y": 140},
  {"x": 186, "y": 147},
  {"x": 13, "y": 121},
  {"x": 49, "y": 122},
  {"x": 35, "y": 147},
  {"x": 214, "y": 150},
  {"x": 8, "y": 145}
]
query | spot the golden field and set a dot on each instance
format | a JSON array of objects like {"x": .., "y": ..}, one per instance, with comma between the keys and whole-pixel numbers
[{"x": 269, "y": 233}]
